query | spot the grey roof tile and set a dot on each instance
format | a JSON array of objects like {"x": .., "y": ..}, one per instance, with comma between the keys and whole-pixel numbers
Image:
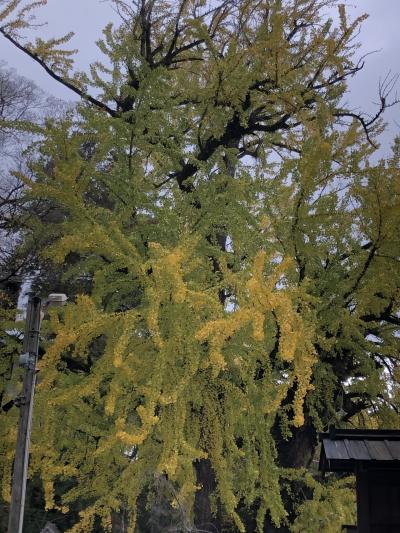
[
  {"x": 394, "y": 448},
  {"x": 357, "y": 450}
]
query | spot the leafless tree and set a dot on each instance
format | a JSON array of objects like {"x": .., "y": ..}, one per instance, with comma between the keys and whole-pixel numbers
[{"x": 22, "y": 107}]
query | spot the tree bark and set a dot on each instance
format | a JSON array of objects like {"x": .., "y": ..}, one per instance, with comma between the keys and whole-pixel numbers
[
  {"x": 298, "y": 451},
  {"x": 204, "y": 519}
]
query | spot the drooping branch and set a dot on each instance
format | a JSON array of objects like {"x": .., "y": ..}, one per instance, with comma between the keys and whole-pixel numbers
[
  {"x": 68, "y": 84},
  {"x": 294, "y": 231}
]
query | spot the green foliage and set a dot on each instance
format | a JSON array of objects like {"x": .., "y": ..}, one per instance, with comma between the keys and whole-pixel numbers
[
  {"x": 9, "y": 344},
  {"x": 9, "y": 348},
  {"x": 332, "y": 505},
  {"x": 234, "y": 297}
]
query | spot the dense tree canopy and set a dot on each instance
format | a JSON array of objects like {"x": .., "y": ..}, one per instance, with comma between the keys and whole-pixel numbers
[{"x": 234, "y": 260}]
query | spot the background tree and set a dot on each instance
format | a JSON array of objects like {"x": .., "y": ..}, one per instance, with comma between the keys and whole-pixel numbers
[
  {"x": 23, "y": 107},
  {"x": 19, "y": 102},
  {"x": 240, "y": 258},
  {"x": 22, "y": 110}
]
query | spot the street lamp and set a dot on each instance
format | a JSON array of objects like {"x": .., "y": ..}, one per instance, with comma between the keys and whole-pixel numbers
[{"x": 28, "y": 359}]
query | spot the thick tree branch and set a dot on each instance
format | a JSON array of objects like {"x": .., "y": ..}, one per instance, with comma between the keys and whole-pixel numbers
[{"x": 97, "y": 103}]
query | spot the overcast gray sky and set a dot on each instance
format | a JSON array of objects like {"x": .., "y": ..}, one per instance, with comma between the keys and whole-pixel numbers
[{"x": 87, "y": 18}]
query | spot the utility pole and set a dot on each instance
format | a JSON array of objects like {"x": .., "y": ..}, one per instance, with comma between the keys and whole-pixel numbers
[{"x": 28, "y": 359}]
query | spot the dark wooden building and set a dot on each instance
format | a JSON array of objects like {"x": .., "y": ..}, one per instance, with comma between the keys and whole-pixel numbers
[{"x": 374, "y": 457}]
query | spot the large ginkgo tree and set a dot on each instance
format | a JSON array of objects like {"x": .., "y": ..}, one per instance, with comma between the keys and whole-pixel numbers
[{"x": 238, "y": 256}]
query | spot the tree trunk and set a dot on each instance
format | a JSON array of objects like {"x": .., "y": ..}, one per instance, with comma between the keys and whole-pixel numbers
[
  {"x": 298, "y": 451},
  {"x": 203, "y": 517},
  {"x": 119, "y": 521}
]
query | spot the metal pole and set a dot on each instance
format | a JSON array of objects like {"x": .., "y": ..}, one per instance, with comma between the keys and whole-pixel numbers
[{"x": 29, "y": 360}]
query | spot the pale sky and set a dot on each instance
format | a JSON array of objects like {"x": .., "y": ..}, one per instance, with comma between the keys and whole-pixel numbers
[{"x": 87, "y": 18}]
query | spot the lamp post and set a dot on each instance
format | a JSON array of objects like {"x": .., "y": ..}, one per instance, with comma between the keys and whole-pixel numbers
[{"x": 28, "y": 359}]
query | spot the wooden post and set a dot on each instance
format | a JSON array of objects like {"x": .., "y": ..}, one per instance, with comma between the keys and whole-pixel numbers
[
  {"x": 29, "y": 360},
  {"x": 363, "y": 501}
]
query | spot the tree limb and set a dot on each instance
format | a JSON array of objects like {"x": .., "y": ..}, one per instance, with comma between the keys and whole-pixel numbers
[{"x": 97, "y": 103}]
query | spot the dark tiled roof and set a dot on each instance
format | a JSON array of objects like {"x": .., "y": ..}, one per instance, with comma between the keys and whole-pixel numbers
[{"x": 341, "y": 449}]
